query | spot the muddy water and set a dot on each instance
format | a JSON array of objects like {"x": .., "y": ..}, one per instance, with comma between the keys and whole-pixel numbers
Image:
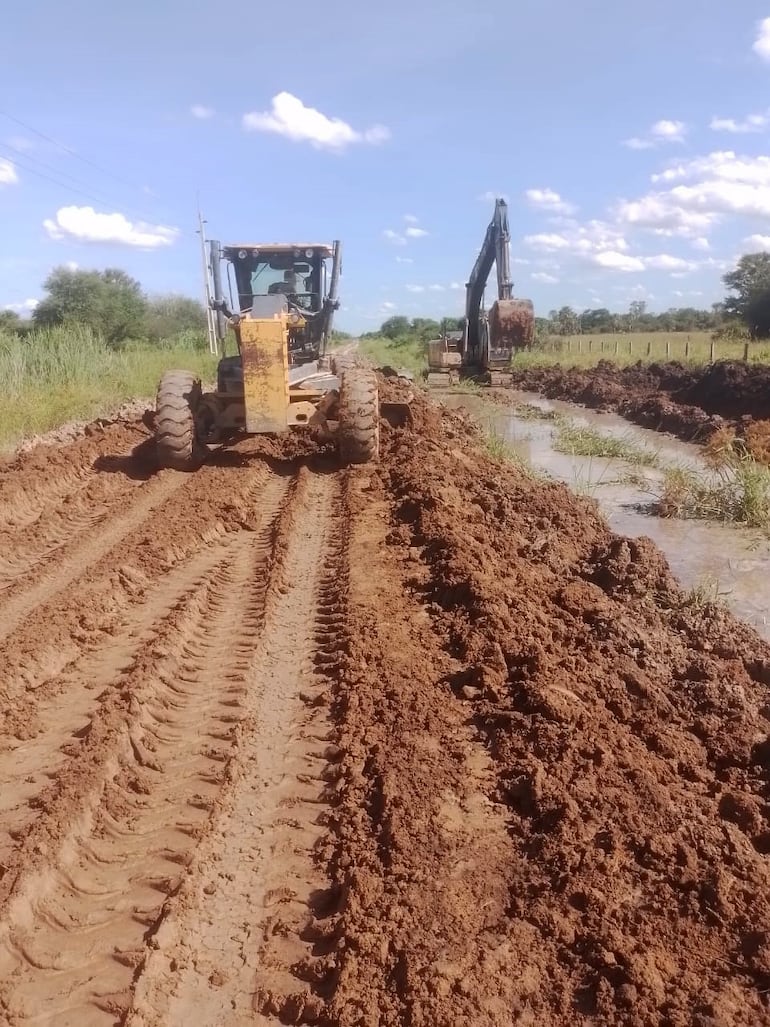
[{"x": 727, "y": 561}]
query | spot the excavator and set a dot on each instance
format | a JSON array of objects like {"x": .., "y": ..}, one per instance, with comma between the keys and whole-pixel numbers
[
  {"x": 280, "y": 314},
  {"x": 485, "y": 348}
]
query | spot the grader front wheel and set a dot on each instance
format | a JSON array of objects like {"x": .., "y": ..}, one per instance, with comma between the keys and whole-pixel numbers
[
  {"x": 359, "y": 416},
  {"x": 176, "y": 438}
]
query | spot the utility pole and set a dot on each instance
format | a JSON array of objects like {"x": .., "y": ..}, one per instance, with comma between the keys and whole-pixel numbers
[{"x": 207, "y": 288}]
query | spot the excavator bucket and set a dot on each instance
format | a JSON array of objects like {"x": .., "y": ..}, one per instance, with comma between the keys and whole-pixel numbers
[{"x": 511, "y": 328}]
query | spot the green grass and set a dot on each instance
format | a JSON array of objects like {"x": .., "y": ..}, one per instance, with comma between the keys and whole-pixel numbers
[
  {"x": 738, "y": 492},
  {"x": 686, "y": 347},
  {"x": 406, "y": 352},
  {"x": 586, "y": 350},
  {"x": 61, "y": 374},
  {"x": 575, "y": 440}
]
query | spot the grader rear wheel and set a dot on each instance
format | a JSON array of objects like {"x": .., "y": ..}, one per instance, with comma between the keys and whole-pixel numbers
[
  {"x": 359, "y": 416},
  {"x": 176, "y": 437}
]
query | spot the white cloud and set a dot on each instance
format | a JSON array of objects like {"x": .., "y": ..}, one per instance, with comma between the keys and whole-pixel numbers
[
  {"x": 8, "y": 174},
  {"x": 702, "y": 192},
  {"x": 491, "y": 195},
  {"x": 663, "y": 131},
  {"x": 86, "y": 225},
  {"x": 289, "y": 117},
  {"x": 387, "y": 305},
  {"x": 404, "y": 260},
  {"x": 668, "y": 130},
  {"x": 758, "y": 242},
  {"x": 72, "y": 265},
  {"x": 547, "y": 199},
  {"x": 410, "y": 232},
  {"x": 436, "y": 288},
  {"x": 547, "y": 241},
  {"x": 761, "y": 45},
  {"x": 752, "y": 123},
  {"x": 21, "y": 143},
  {"x": 415, "y": 288},
  {"x": 201, "y": 111},
  {"x": 543, "y": 276},
  {"x": 701, "y": 243},
  {"x": 25, "y": 307},
  {"x": 611, "y": 260},
  {"x": 665, "y": 262},
  {"x": 456, "y": 285}
]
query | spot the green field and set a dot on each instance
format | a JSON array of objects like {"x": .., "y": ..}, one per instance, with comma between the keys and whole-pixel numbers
[
  {"x": 587, "y": 350},
  {"x": 53, "y": 376}
]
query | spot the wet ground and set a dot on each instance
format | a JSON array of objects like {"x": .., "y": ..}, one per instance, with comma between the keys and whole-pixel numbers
[{"x": 725, "y": 560}]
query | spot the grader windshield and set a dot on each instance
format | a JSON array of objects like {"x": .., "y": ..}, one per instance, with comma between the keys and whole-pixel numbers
[{"x": 299, "y": 273}]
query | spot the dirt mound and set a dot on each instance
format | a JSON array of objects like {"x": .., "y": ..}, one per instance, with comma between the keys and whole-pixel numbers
[
  {"x": 628, "y": 736},
  {"x": 690, "y": 403},
  {"x": 416, "y": 743}
]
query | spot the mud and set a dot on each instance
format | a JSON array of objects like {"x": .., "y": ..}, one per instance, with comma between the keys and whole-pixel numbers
[
  {"x": 412, "y": 744},
  {"x": 691, "y": 403}
]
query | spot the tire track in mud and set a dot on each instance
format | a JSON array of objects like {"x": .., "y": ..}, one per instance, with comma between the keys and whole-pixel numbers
[
  {"x": 138, "y": 798},
  {"x": 77, "y": 555},
  {"x": 240, "y": 942},
  {"x": 151, "y": 540},
  {"x": 46, "y": 729}
]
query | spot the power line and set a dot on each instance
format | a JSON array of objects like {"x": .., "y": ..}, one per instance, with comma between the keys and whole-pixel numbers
[
  {"x": 80, "y": 192},
  {"x": 66, "y": 149}
]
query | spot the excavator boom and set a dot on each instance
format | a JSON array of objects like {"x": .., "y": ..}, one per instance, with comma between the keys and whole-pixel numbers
[{"x": 489, "y": 339}]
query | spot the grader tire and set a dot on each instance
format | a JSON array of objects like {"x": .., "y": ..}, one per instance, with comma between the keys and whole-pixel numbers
[
  {"x": 359, "y": 416},
  {"x": 176, "y": 440}
]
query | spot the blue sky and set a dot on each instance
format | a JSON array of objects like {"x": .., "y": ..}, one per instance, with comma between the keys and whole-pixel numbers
[{"x": 630, "y": 139}]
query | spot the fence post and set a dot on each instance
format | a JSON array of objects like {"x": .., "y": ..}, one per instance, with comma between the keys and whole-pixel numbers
[
  {"x": 649, "y": 347},
  {"x": 746, "y": 352},
  {"x": 590, "y": 345},
  {"x": 602, "y": 345},
  {"x": 569, "y": 345},
  {"x": 687, "y": 348},
  {"x": 580, "y": 344},
  {"x": 617, "y": 346},
  {"x": 712, "y": 351},
  {"x": 668, "y": 349}
]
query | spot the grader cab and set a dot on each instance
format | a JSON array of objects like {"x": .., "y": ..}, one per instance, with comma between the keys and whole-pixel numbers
[{"x": 281, "y": 323}]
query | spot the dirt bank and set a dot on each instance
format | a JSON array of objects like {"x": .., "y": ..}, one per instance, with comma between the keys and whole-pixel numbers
[
  {"x": 415, "y": 744},
  {"x": 689, "y": 402}
]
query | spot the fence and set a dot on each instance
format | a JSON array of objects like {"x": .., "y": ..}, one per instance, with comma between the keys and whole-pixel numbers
[{"x": 697, "y": 347}]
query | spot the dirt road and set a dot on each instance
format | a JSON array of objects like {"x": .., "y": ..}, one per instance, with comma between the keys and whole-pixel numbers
[{"x": 417, "y": 744}]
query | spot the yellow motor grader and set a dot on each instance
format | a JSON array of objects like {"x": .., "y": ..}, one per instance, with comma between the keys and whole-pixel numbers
[
  {"x": 485, "y": 347},
  {"x": 281, "y": 321}
]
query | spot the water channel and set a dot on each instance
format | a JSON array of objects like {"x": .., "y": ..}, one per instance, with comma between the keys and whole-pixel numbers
[{"x": 729, "y": 561}]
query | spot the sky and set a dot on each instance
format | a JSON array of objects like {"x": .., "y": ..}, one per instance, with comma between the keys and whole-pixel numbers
[{"x": 630, "y": 140}]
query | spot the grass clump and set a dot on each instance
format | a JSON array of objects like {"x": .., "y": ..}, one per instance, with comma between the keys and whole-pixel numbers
[
  {"x": 737, "y": 490},
  {"x": 54, "y": 375},
  {"x": 575, "y": 440}
]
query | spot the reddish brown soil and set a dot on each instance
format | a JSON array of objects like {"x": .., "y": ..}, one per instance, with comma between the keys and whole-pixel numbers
[
  {"x": 689, "y": 402},
  {"x": 415, "y": 744}
]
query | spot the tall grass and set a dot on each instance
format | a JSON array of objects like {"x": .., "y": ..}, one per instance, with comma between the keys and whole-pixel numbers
[{"x": 59, "y": 374}]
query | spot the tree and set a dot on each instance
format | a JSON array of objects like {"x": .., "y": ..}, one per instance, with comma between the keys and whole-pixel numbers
[
  {"x": 170, "y": 314},
  {"x": 110, "y": 302},
  {"x": 9, "y": 321},
  {"x": 750, "y": 283},
  {"x": 394, "y": 327}
]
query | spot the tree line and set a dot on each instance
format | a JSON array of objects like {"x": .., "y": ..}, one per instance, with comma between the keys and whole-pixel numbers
[
  {"x": 746, "y": 306},
  {"x": 113, "y": 305}
]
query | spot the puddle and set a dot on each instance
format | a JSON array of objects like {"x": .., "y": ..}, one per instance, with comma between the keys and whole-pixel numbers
[{"x": 727, "y": 559}]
